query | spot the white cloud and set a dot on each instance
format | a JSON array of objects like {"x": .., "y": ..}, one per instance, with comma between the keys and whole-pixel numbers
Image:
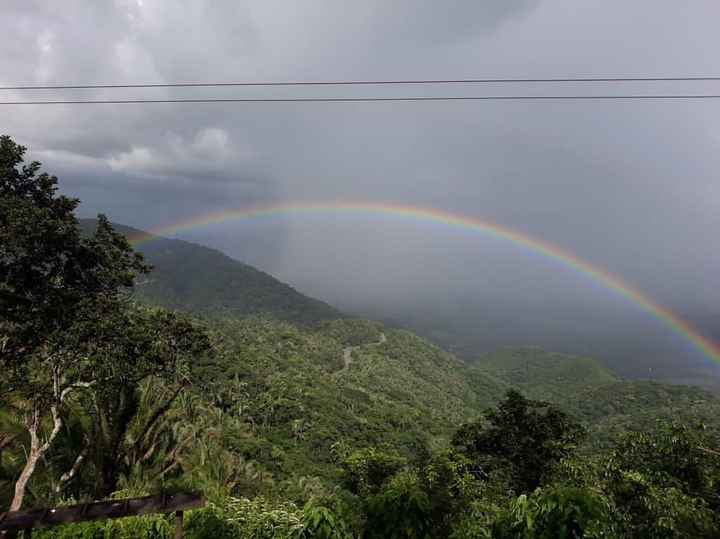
[
  {"x": 69, "y": 160},
  {"x": 209, "y": 152}
]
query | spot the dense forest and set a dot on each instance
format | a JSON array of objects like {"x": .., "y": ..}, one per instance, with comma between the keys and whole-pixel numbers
[{"x": 118, "y": 379}]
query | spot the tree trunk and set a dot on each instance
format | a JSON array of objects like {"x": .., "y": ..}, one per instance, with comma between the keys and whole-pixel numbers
[
  {"x": 115, "y": 411},
  {"x": 37, "y": 450},
  {"x": 21, "y": 483},
  {"x": 108, "y": 476}
]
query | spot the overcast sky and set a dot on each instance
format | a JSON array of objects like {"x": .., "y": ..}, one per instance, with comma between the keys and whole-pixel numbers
[{"x": 630, "y": 186}]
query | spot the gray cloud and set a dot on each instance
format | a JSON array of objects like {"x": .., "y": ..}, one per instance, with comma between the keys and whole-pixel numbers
[{"x": 628, "y": 186}]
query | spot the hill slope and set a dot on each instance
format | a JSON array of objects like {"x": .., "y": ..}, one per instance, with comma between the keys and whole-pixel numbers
[
  {"x": 299, "y": 397},
  {"x": 544, "y": 375},
  {"x": 202, "y": 280},
  {"x": 607, "y": 404}
]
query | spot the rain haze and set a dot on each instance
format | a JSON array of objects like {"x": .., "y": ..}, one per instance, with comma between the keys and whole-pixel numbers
[{"x": 627, "y": 186}]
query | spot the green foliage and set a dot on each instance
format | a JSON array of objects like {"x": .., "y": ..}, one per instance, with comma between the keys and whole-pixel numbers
[
  {"x": 148, "y": 527},
  {"x": 613, "y": 410},
  {"x": 452, "y": 481},
  {"x": 262, "y": 519},
  {"x": 73, "y": 349},
  {"x": 528, "y": 437},
  {"x": 607, "y": 406},
  {"x": 352, "y": 332},
  {"x": 649, "y": 510},
  {"x": 57, "y": 289},
  {"x": 674, "y": 455},
  {"x": 230, "y": 519},
  {"x": 554, "y": 513},
  {"x": 210, "y": 523},
  {"x": 322, "y": 523},
  {"x": 665, "y": 483},
  {"x": 478, "y": 519},
  {"x": 544, "y": 375},
  {"x": 253, "y": 519},
  {"x": 401, "y": 510},
  {"x": 366, "y": 470},
  {"x": 48, "y": 271},
  {"x": 288, "y": 387}
]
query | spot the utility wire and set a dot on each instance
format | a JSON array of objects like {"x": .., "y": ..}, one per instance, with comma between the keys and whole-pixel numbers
[
  {"x": 359, "y": 82},
  {"x": 373, "y": 99}
]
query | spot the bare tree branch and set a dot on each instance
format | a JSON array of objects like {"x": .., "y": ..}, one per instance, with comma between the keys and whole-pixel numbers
[
  {"x": 77, "y": 385},
  {"x": 6, "y": 440},
  {"x": 72, "y": 472}
]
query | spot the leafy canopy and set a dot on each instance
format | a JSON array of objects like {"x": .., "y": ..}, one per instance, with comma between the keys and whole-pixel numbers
[{"x": 527, "y": 437}]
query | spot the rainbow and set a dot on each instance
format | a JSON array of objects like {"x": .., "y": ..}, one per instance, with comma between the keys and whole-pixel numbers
[{"x": 458, "y": 221}]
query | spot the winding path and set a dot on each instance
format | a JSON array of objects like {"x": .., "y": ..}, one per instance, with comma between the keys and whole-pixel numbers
[{"x": 348, "y": 350}]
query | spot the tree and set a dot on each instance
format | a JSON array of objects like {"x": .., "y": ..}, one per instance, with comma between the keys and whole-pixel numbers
[
  {"x": 526, "y": 437},
  {"x": 559, "y": 512},
  {"x": 65, "y": 321},
  {"x": 401, "y": 510},
  {"x": 666, "y": 482},
  {"x": 366, "y": 470},
  {"x": 143, "y": 343},
  {"x": 676, "y": 455},
  {"x": 450, "y": 482},
  {"x": 48, "y": 271}
]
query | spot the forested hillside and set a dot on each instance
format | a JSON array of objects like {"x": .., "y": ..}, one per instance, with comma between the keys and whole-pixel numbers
[
  {"x": 302, "y": 398},
  {"x": 544, "y": 375},
  {"x": 205, "y": 281}
]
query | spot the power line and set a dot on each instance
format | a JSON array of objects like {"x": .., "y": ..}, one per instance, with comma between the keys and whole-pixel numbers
[
  {"x": 372, "y": 99},
  {"x": 361, "y": 82}
]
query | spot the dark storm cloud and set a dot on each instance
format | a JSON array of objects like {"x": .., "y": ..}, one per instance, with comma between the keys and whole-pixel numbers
[{"x": 629, "y": 186}]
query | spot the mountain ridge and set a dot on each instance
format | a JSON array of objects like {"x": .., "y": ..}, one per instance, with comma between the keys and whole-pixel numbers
[{"x": 205, "y": 281}]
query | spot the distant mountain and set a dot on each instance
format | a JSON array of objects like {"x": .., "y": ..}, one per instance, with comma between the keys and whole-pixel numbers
[
  {"x": 606, "y": 403},
  {"x": 544, "y": 375},
  {"x": 634, "y": 346},
  {"x": 202, "y": 280}
]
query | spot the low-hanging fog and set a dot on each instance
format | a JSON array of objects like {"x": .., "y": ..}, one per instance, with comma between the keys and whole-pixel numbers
[{"x": 628, "y": 186}]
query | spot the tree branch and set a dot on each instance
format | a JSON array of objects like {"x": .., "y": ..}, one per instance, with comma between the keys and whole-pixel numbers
[
  {"x": 77, "y": 385},
  {"x": 6, "y": 440},
  {"x": 57, "y": 425},
  {"x": 72, "y": 472}
]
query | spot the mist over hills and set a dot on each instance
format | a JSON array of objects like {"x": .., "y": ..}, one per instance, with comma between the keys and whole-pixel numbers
[
  {"x": 200, "y": 279},
  {"x": 408, "y": 375},
  {"x": 634, "y": 344}
]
